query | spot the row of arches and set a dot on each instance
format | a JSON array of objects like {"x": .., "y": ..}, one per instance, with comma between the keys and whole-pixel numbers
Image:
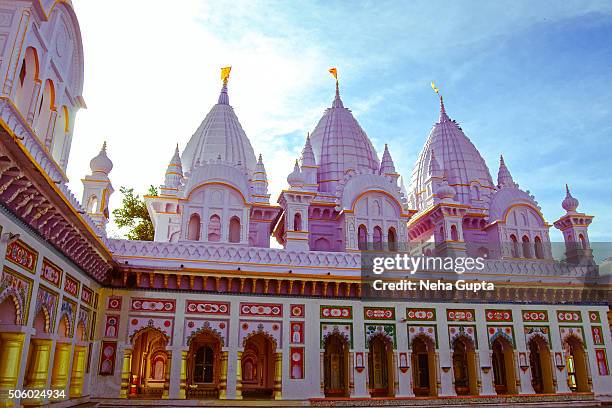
[
  {"x": 37, "y": 101},
  {"x": 206, "y": 365},
  {"x": 525, "y": 249},
  {"x": 377, "y": 239},
  {"x": 213, "y": 234}
]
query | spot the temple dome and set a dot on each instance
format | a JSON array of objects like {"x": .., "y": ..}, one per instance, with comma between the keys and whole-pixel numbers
[
  {"x": 340, "y": 145},
  {"x": 458, "y": 158},
  {"x": 101, "y": 163},
  {"x": 220, "y": 134}
]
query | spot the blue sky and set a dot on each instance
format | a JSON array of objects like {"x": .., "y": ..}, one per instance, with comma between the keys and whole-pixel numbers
[{"x": 530, "y": 80}]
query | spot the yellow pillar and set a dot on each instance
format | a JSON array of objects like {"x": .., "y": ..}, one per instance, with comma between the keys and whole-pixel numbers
[
  {"x": 61, "y": 365},
  {"x": 183, "y": 380},
  {"x": 11, "y": 345},
  {"x": 166, "y": 393},
  {"x": 38, "y": 367},
  {"x": 223, "y": 376},
  {"x": 278, "y": 375},
  {"x": 78, "y": 371},
  {"x": 125, "y": 373},
  {"x": 239, "y": 376}
]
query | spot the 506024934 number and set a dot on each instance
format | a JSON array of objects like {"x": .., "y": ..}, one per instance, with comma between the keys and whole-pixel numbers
[{"x": 36, "y": 394}]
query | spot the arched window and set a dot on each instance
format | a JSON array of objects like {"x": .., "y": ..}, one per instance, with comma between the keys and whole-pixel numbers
[
  {"x": 28, "y": 74},
  {"x": 362, "y": 237},
  {"x": 297, "y": 222},
  {"x": 583, "y": 242},
  {"x": 45, "y": 106},
  {"x": 454, "y": 233},
  {"x": 234, "y": 229},
  {"x": 515, "y": 246},
  {"x": 526, "y": 247},
  {"x": 60, "y": 136},
  {"x": 193, "y": 229},
  {"x": 539, "y": 249},
  {"x": 214, "y": 228},
  {"x": 92, "y": 204},
  {"x": 392, "y": 239},
  {"x": 378, "y": 238}
]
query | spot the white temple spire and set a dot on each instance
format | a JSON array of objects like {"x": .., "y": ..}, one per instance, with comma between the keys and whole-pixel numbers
[
  {"x": 386, "y": 165},
  {"x": 308, "y": 158},
  {"x": 504, "y": 178}
]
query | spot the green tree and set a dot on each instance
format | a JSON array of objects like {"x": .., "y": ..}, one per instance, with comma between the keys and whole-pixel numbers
[{"x": 134, "y": 215}]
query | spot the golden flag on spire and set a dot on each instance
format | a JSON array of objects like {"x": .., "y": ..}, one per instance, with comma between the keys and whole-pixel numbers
[
  {"x": 433, "y": 86},
  {"x": 225, "y": 72},
  {"x": 334, "y": 72}
]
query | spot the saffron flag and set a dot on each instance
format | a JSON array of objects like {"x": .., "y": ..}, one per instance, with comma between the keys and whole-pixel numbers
[
  {"x": 225, "y": 73},
  {"x": 433, "y": 86},
  {"x": 334, "y": 72}
]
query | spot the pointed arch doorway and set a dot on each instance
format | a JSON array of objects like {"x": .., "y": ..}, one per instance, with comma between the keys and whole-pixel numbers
[
  {"x": 540, "y": 364},
  {"x": 576, "y": 364},
  {"x": 205, "y": 365},
  {"x": 465, "y": 373},
  {"x": 424, "y": 383},
  {"x": 380, "y": 367},
  {"x": 149, "y": 375},
  {"x": 502, "y": 358},
  {"x": 335, "y": 366},
  {"x": 258, "y": 367}
]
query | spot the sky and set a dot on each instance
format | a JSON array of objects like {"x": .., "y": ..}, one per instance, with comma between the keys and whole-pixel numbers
[{"x": 529, "y": 80}]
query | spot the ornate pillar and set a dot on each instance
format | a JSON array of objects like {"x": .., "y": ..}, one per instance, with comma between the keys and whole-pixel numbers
[
  {"x": 11, "y": 345},
  {"x": 61, "y": 365},
  {"x": 278, "y": 375},
  {"x": 183, "y": 378},
  {"x": 78, "y": 371},
  {"x": 37, "y": 372},
  {"x": 239, "y": 376},
  {"x": 223, "y": 376},
  {"x": 125, "y": 373},
  {"x": 33, "y": 102},
  {"x": 166, "y": 393},
  {"x": 48, "y": 136}
]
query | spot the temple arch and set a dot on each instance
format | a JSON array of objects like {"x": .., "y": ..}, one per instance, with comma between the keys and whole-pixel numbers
[
  {"x": 28, "y": 77},
  {"x": 149, "y": 358},
  {"x": 335, "y": 366},
  {"x": 234, "y": 230},
  {"x": 504, "y": 376},
  {"x": 541, "y": 365},
  {"x": 362, "y": 237},
  {"x": 258, "y": 365},
  {"x": 193, "y": 228},
  {"x": 10, "y": 310},
  {"x": 380, "y": 366},
  {"x": 214, "y": 228},
  {"x": 44, "y": 111},
  {"x": 465, "y": 373},
  {"x": 204, "y": 364},
  {"x": 576, "y": 364},
  {"x": 424, "y": 381}
]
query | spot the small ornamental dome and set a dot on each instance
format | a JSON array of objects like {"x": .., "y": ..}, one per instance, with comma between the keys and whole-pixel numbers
[
  {"x": 445, "y": 191},
  {"x": 296, "y": 178},
  {"x": 570, "y": 203},
  {"x": 101, "y": 163}
]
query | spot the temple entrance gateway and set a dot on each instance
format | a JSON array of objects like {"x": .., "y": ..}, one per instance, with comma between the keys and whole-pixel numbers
[
  {"x": 204, "y": 366},
  {"x": 576, "y": 364},
  {"x": 258, "y": 367},
  {"x": 380, "y": 367},
  {"x": 149, "y": 363},
  {"x": 464, "y": 366},
  {"x": 423, "y": 367},
  {"x": 541, "y": 366},
  {"x": 335, "y": 366},
  {"x": 504, "y": 378}
]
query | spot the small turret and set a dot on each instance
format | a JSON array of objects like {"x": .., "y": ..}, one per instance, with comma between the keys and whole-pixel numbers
[
  {"x": 174, "y": 172},
  {"x": 387, "y": 167},
  {"x": 309, "y": 166},
  {"x": 575, "y": 226},
  {"x": 260, "y": 182},
  {"x": 97, "y": 189},
  {"x": 296, "y": 178},
  {"x": 504, "y": 178}
]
